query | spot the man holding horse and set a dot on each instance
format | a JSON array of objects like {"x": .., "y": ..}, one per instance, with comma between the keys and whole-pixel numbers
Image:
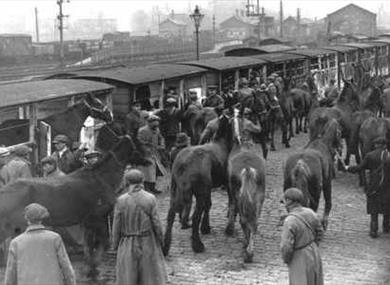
[
  {"x": 152, "y": 141},
  {"x": 301, "y": 233},
  {"x": 378, "y": 188}
]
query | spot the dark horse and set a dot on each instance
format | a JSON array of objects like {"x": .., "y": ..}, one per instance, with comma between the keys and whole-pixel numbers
[
  {"x": 302, "y": 104},
  {"x": 68, "y": 122},
  {"x": 311, "y": 169},
  {"x": 345, "y": 106},
  {"x": 246, "y": 192},
  {"x": 85, "y": 197},
  {"x": 195, "y": 171}
]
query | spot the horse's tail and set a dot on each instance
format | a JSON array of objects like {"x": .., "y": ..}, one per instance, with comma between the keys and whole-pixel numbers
[
  {"x": 300, "y": 175},
  {"x": 247, "y": 196}
]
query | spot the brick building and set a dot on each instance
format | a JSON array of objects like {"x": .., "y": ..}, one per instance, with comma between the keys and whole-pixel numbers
[
  {"x": 352, "y": 19},
  {"x": 237, "y": 28}
]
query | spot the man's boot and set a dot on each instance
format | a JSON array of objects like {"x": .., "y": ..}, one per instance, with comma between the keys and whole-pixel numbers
[
  {"x": 386, "y": 223},
  {"x": 374, "y": 226}
]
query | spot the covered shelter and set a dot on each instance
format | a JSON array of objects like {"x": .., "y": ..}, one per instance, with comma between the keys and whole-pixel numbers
[
  {"x": 148, "y": 84},
  {"x": 366, "y": 54},
  {"x": 228, "y": 70},
  {"x": 24, "y": 105}
]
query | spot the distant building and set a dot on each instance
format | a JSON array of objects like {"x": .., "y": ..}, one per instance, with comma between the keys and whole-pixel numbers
[
  {"x": 352, "y": 19},
  {"x": 12, "y": 45},
  {"x": 173, "y": 28},
  {"x": 237, "y": 28},
  {"x": 90, "y": 28}
]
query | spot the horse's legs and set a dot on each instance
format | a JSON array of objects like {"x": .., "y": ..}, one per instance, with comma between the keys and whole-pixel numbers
[
  {"x": 264, "y": 148},
  {"x": 168, "y": 231},
  {"x": 197, "y": 245},
  {"x": 327, "y": 188},
  {"x": 248, "y": 241},
  {"x": 205, "y": 227},
  {"x": 386, "y": 223},
  {"x": 272, "y": 130},
  {"x": 374, "y": 226},
  {"x": 232, "y": 213}
]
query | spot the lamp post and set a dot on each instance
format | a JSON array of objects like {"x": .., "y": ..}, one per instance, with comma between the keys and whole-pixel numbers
[{"x": 197, "y": 18}]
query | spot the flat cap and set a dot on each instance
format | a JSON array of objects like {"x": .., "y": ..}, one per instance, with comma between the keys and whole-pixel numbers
[
  {"x": 247, "y": 111},
  {"x": 171, "y": 100},
  {"x": 134, "y": 176},
  {"x": 35, "y": 213},
  {"x": 153, "y": 118},
  {"x": 294, "y": 194},
  {"x": 60, "y": 139},
  {"x": 21, "y": 150}
]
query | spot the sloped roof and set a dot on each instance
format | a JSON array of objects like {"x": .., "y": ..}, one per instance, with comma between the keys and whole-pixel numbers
[
  {"x": 311, "y": 52},
  {"x": 176, "y": 22},
  {"x": 349, "y": 6},
  {"x": 237, "y": 18},
  {"x": 226, "y": 63},
  {"x": 279, "y": 57},
  {"x": 20, "y": 93}
]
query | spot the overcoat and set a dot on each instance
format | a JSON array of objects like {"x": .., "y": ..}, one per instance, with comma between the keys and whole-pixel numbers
[
  {"x": 300, "y": 234},
  {"x": 151, "y": 141},
  {"x": 38, "y": 257},
  {"x": 16, "y": 168},
  {"x": 133, "y": 122},
  {"x": 137, "y": 234},
  {"x": 378, "y": 186},
  {"x": 67, "y": 162}
]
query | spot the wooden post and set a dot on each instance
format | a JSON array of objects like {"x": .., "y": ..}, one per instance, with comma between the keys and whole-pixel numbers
[
  {"x": 203, "y": 83},
  {"x": 220, "y": 80},
  {"x": 33, "y": 127},
  {"x": 264, "y": 73},
  {"x": 181, "y": 93},
  {"x": 236, "y": 78},
  {"x": 162, "y": 93}
]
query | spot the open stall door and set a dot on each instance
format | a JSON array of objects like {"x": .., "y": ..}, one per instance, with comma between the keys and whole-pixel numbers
[{"x": 44, "y": 140}]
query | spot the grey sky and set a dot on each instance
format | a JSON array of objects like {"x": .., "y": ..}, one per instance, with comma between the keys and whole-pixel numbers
[{"x": 123, "y": 9}]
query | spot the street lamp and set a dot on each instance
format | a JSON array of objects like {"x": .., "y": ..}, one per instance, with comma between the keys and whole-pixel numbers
[{"x": 197, "y": 18}]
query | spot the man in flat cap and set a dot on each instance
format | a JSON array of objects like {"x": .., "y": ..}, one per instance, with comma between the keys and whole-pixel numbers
[
  {"x": 38, "y": 255},
  {"x": 66, "y": 160},
  {"x": 170, "y": 117},
  {"x": 301, "y": 233},
  {"x": 138, "y": 235},
  {"x": 18, "y": 165},
  {"x": 213, "y": 99},
  {"x": 152, "y": 141},
  {"x": 134, "y": 119},
  {"x": 49, "y": 167}
]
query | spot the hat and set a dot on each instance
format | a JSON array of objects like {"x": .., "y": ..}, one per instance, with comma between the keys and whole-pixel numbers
[
  {"x": 60, "y": 139},
  {"x": 171, "y": 101},
  {"x": 271, "y": 85},
  {"x": 294, "y": 194},
  {"x": 92, "y": 153},
  {"x": 48, "y": 160},
  {"x": 274, "y": 74},
  {"x": 247, "y": 111},
  {"x": 134, "y": 176},
  {"x": 21, "y": 150},
  {"x": 35, "y": 213},
  {"x": 153, "y": 118},
  {"x": 244, "y": 80},
  {"x": 263, "y": 86},
  {"x": 4, "y": 151},
  {"x": 181, "y": 139}
]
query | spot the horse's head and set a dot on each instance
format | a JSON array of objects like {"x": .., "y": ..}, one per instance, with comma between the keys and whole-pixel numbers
[
  {"x": 371, "y": 98},
  {"x": 225, "y": 131},
  {"x": 97, "y": 109},
  {"x": 349, "y": 95}
]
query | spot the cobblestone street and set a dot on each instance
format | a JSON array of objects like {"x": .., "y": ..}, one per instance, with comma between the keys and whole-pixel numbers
[{"x": 350, "y": 256}]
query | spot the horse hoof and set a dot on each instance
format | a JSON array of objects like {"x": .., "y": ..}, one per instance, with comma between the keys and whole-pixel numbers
[
  {"x": 374, "y": 234},
  {"x": 197, "y": 247},
  {"x": 248, "y": 258},
  {"x": 229, "y": 231},
  {"x": 185, "y": 226},
  {"x": 205, "y": 230},
  {"x": 324, "y": 224}
]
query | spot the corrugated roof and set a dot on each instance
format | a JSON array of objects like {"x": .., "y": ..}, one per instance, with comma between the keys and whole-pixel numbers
[
  {"x": 278, "y": 57},
  {"x": 359, "y": 45},
  {"x": 382, "y": 40},
  {"x": 36, "y": 91},
  {"x": 311, "y": 52},
  {"x": 226, "y": 63},
  {"x": 339, "y": 48},
  {"x": 144, "y": 74}
]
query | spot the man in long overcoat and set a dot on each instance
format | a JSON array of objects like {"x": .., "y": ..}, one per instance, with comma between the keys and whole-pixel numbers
[
  {"x": 138, "y": 235},
  {"x": 149, "y": 136},
  {"x": 38, "y": 256},
  {"x": 378, "y": 187},
  {"x": 301, "y": 232}
]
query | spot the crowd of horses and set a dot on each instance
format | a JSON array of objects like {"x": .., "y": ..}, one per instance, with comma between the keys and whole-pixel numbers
[{"x": 87, "y": 196}]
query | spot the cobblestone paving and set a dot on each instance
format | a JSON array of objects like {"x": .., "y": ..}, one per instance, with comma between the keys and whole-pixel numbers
[{"x": 349, "y": 255}]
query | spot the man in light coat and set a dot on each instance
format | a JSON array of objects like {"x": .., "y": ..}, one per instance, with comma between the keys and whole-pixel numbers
[
  {"x": 137, "y": 235},
  {"x": 301, "y": 232},
  {"x": 38, "y": 256},
  {"x": 150, "y": 137},
  {"x": 18, "y": 166}
]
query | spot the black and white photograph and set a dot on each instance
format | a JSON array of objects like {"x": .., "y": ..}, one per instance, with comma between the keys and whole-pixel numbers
[{"x": 194, "y": 142}]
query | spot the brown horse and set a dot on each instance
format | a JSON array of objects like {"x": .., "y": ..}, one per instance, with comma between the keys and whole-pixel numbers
[
  {"x": 311, "y": 169},
  {"x": 302, "y": 104},
  {"x": 246, "y": 192},
  {"x": 195, "y": 171},
  {"x": 346, "y": 105},
  {"x": 68, "y": 122},
  {"x": 85, "y": 197},
  {"x": 195, "y": 122}
]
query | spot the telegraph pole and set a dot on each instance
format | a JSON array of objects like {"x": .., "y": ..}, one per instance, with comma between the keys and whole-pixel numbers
[
  {"x": 213, "y": 31},
  {"x": 36, "y": 24},
  {"x": 299, "y": 23},
  {"x": 60, "y": 18},
  {"x": 252, "y": 11},
  {"x": 281, "y": 19}
]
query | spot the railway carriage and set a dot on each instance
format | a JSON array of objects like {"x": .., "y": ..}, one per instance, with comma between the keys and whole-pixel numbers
[{"x": 26, "y": 105}]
